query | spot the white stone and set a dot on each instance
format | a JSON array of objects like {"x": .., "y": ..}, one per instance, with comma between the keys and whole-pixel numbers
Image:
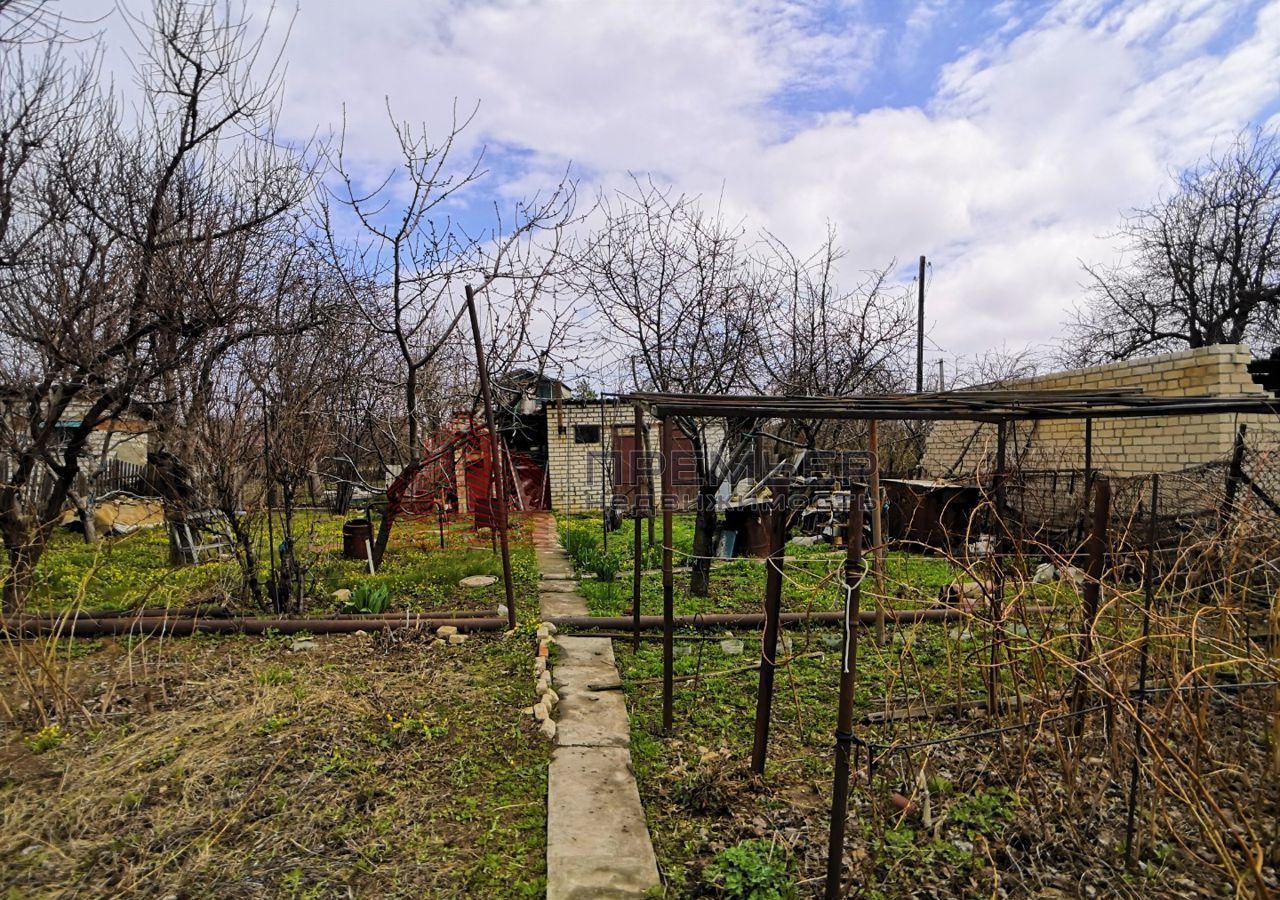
[
  {"x": 551, "y": 698},
  {"x": 1045, "y": 573},
  {"x": 445, "y": 631},
  {"x": 543, "y": 633},
  {"x": 551, "y": 629},
  {"x": 544, "y": 682},
  {"x": 539, "y": 666},
  {"x": 342, "y": 595},
  {"x": 548, "y": 729},
  {"x": 457, "y": 639},
  {"x": 301, "y": 645},
  {"x": 541, "y": 711},
  {"x": 478, "y": 581}
]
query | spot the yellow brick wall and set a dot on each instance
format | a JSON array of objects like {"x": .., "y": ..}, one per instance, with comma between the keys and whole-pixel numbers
[{"x": 1121, "y": 447}]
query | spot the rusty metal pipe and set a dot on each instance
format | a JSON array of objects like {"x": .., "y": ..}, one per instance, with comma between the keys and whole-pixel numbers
[
  {"x": 495, "y": 461},
  {"x": 637, "y": 554},
  {"x": 88, "y": 628},
  {"x": 218, "y": 613},
  {"x": 429, "y": 614},
  {"x": 148, "y": 612},
  {"x": 755, "y": 620},
  {"x": 769, "y": 640},
  {"x": 667, "y": 620},
  {"x": 844, "y": 709}
]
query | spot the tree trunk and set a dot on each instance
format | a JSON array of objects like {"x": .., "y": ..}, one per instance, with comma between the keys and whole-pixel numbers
[
  {"x": 17, "y": 581},
  {"x": 411, "y": 404},
  {"x": 24, "y": 551},
  {"x": 84, "y": 512},
  {"x": 384, "y": 534},
  {"x": 290, "y": 584},
  {"x": 173, "y": 483},
  {"x": 248, "y": 557},
  {"x": 704, "y": 531}
]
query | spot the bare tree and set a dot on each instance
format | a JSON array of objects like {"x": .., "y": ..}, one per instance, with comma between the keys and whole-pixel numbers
[
  {"x": 682, "y": 301},
  {"x": 410, "y": 258},
  {"x": 298, "y": 375},
  {"x": 824, "y": 340},
  {"x": 139, "y": 231},
  {"x": 1203, "y": 264},
  {"x": 408, "y": 264}
]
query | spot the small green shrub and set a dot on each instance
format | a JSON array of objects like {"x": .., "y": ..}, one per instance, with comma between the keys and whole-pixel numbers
[
  {"x": 606, "y": 566},
  {"x": 984, "y": 812},
  {"x": 753, "y": 870},
  {"x": 368, "y": 598},
  {"x": 581, "y": 543},
  {"x": 46, "y": 739},
  {"x": 275, "y": 675}
]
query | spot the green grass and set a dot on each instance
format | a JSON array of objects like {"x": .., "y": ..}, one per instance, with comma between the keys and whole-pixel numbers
[
  {"x": 691, "y": 781},
  {"x": 133, "y": 570}
]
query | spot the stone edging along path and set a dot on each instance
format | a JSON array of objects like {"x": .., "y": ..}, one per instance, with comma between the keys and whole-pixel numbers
[{"x": 597, "y": 842}]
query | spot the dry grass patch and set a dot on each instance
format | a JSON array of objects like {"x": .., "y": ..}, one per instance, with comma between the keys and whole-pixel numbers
[{"x": 234, "y": 767}]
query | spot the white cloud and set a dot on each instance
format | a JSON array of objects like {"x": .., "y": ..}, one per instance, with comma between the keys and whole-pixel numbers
[{"x": 1035, "y": 139}]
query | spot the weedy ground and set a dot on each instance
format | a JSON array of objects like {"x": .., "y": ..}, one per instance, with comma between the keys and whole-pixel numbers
[
  {"x": 1025, "y": 813},
  {"x": 385, "y": 765}
]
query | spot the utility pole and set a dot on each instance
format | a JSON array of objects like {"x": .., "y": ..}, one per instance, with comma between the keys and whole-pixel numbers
[
  {"x": 920, "y": 330},
  {"x": 495, "y": 460}
]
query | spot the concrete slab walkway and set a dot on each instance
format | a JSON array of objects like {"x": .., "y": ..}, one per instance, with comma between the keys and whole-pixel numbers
[{"x": 598, "y": 845}]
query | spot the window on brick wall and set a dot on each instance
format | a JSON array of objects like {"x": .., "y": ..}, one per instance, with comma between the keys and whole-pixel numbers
[{"x": 586, "y": 434}]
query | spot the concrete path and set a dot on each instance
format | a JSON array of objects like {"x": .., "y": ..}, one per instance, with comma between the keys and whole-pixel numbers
[{"x": 597, "y": 842}]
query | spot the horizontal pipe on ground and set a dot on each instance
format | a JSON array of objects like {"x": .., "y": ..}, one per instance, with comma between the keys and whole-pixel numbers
[
  {"x": 149, "y": 612},
  {"x": 220, "y": 613},
  {"x": 718, "y": 620},
  {"x": 428, "y": 614},
  {"x": 36, "y": 627}
]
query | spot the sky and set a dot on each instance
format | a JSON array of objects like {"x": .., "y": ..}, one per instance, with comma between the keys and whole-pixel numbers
[{"x": 1003, "y": 140}]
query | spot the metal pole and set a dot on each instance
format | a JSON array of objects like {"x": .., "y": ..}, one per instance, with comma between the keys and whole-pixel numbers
[
  {"x": 637, "y": 491},
  {"x": 495, "y": 463},
  {"x": 848, "y": 681},
  {"x": 920, "y": 330},
  {"x": 997, "y": 572},
  {"x": 604, "y": 473},
  {"x": 1088, "y": 455},
  {"x": 271, "y": 532},
  {"x": 668, "y": 576},
  {"x": 1149, "y": 590},
  {"x": 650, "y": 494},
  {"x": 877, "y": 531},
  {"x": 769, "y": 643},
  {"x": 1092, "y": 588}
]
